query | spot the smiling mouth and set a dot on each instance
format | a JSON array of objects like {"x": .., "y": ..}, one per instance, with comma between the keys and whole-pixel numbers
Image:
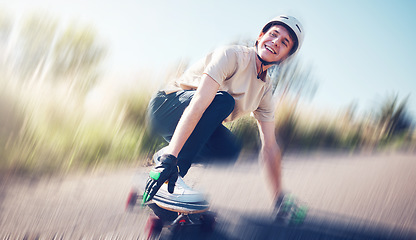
[{"x": 270, "y": 49}]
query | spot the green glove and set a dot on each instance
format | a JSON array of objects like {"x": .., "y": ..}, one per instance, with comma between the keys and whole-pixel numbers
[{"x": 165, "y": 170}]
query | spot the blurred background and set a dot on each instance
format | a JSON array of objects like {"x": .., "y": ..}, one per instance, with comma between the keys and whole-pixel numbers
[{"x": 76, "y": 76}]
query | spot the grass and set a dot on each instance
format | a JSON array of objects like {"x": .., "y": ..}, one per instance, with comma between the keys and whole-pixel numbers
[{"x": 45, "y": 129}]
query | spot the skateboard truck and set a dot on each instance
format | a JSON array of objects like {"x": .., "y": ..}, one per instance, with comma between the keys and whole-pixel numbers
[{"x": 188, "y": 214}]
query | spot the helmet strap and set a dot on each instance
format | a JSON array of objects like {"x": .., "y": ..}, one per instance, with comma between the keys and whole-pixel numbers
[{"x": 261, "y": 73}]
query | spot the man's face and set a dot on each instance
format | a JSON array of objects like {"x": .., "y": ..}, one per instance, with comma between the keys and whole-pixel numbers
[{"x": 275, "y": 44}]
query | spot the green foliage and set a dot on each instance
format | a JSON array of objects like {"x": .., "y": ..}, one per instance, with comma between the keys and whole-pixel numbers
[
  {"x": 286, "y": 128},
  {"x": 392, "y": 118},
  {"x": 44, "y": 50},
  {"x": 134, "y": 105},
  {"x": 293, "y": 77},
  {"x": 35, "y": 40},
  {"x": 57, "y": 135},
  {"x": 77, "y": 55},
  {"x": 44, "y": 124},
  {"x": 246, "y": 132},
  {"x": 11, "y": 121}
]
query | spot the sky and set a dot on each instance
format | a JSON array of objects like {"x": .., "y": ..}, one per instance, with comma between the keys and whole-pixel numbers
[{"x": 361, "y": 51}]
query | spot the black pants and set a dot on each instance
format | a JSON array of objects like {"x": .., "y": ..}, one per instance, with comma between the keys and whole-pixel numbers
[{"x": 209, "y": 141}]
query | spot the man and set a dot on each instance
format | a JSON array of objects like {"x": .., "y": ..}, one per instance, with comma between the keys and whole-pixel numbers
[{"x": 225, "y": 85}]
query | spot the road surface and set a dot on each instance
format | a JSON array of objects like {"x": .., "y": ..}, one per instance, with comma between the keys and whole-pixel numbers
[{"x": 376, "y": 190}]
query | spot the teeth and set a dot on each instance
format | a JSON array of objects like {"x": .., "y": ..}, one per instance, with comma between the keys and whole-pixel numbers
[{"x": 271, "y": 50}]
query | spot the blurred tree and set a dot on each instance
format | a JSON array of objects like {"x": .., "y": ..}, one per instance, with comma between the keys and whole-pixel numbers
[
  {"x": 350, "y": 112},
  {"x": 293, "y": 77},
  {"x": 77, "y": 56},
  {"x": 291, "y": 81},
  {"x": 41, "y": 50},
  {"x": 5, "y": 31},
  {"x": 36, "y": 38},
  {"x": 392, "y": 117}
]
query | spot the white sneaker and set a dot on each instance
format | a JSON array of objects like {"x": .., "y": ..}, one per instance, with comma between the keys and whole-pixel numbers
[
  {"x": 158, "y": 154},
  {"x": 182, "y": 192}
]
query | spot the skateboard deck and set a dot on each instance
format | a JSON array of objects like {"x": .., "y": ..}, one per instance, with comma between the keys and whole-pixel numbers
[
  {"x": 168, "y": 213},
  {"x": 185, "y": 208}
]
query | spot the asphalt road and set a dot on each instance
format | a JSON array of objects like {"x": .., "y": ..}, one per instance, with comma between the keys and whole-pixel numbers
[{"x": 370, "y": 194}]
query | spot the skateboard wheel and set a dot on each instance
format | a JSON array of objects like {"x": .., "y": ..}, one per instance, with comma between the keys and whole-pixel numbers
[
  {"x": 207, "y": 222},
  {"x": 131, "y": 200},
  {"x": 153, "y": 227}
]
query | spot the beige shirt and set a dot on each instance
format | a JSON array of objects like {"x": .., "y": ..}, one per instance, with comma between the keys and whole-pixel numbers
[{"x": 234, "y": 68}]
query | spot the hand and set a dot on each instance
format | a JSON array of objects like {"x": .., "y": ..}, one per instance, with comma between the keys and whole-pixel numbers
[{"x": 165, "y": 170}]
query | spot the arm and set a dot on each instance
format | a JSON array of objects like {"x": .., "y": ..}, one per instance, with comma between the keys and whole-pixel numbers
[
  {"x": 193, "y": 113},
  {"x": 167, "y": 168},
  {"x": 270, "y": 155}
]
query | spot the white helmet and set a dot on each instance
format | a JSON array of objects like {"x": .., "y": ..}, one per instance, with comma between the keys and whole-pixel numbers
[{"x": 293, "y": 25}]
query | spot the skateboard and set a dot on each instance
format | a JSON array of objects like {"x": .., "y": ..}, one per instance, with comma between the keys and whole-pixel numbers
[{"x": 173, "y": 216}]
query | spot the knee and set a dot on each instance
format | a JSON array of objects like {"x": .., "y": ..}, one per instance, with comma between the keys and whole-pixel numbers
[{"x": 225, "y": 101}]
